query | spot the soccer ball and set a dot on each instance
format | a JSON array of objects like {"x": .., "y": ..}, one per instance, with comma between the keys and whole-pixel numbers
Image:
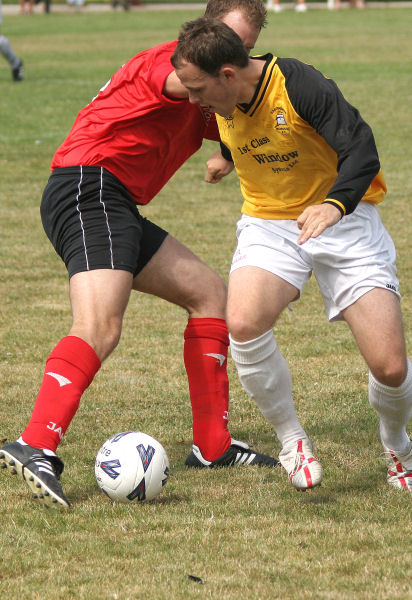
[{"x": 131, "y": 467}]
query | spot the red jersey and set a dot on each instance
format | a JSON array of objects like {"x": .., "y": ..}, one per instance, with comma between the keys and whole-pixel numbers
[{"x": 136, "y": 132}]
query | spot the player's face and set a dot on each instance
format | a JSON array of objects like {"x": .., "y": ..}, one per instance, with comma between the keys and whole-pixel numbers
[
  {"x": 247, "y": 32},
  {"x": 218, "y": 94}
]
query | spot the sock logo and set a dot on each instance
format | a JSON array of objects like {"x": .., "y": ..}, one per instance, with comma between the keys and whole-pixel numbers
[
  {"x": 59, "y": 378},
  {"x": 220, "y": 357}
]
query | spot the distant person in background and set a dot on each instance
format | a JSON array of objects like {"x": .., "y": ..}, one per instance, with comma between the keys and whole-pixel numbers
[
  {"x": 76, "y": 3},
  {"x": 46, "y": 4},
  {"x": 26, "y": 7},
  {"x": 16, "y": 64},
  {"x": 126, "y": 4},
  {"x": 276, "y": 6},
  {"x": 352, "y": 4}
]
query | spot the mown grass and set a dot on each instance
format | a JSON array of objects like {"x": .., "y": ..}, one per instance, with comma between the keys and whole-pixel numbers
[{"x": 244, "y": 533}]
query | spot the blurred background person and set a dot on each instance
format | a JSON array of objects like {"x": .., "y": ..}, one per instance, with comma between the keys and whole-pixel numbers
[
  {"x": 336, "y": 4},
  {"x": 16, "y": 64},
  {"x": 276, "y": 6},
  {"x": 126, "y": 4},
  {"x": 26, "y": 7}
]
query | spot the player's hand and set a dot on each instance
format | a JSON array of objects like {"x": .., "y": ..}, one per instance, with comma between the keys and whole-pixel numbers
[
  {"x": 217, "y": 167},
  {"x": 315, "y": 219}
]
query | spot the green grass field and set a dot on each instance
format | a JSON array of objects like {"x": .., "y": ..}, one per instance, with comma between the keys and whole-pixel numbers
[{"x": 245, "y": 532}]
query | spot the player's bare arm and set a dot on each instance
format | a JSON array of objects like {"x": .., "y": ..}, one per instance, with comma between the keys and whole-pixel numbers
[
  {"x": 217, "y": 167},
  {"x": 173, "y": 88},
  {"x": 315, "y": 219}
]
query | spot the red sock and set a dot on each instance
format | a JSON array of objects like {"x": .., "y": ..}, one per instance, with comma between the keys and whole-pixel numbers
[
  {"x": 205, "y": 354},
  {"x": 70, "y": 369}
]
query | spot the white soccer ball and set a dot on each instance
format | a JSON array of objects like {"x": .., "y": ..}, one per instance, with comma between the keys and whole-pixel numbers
[{"x": 131, "y": 467}]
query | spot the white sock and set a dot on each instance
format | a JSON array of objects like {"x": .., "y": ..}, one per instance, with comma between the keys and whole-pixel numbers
[
  {"x": 394, "y": 407},
  {"x": 265, "y": 376}
]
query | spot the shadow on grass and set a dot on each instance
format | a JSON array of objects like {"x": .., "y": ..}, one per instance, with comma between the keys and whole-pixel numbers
[
  {"x": 361, "y": 481},
  {"x": 353, "y": 483},
  {"x": 314, "y": 498},
  {"x": 91, "y": 492}
]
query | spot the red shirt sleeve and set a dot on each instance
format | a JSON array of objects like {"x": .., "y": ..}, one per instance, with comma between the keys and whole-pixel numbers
[
  {"x": 161, "y": 67},
  {"x": 212, "y": 130}
]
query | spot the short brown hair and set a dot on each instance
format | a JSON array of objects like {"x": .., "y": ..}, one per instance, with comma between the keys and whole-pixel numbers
[
  {"x": 254, "y": 11},
  {"x": 209, "y": 44}
]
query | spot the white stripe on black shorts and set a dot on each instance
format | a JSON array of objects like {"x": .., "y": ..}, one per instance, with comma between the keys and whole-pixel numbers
[{"x": 94, "y": 223}]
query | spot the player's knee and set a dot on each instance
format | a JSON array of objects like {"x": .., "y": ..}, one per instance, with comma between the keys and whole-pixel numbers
[
  {"x": 218, "y": 295},
  {"x": 392, "y": 373},
  {"x": 112, "y": 337},
  {"x": 242, "y": 329},
  {"x": 208, "y": 297},
  {"x": 102, "y": 336}
]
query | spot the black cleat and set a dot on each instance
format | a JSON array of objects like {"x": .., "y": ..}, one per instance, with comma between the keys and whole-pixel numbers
[
  {"x": 17, "y": 72},
  {"x": 238, "y": 453},
  {"x": 40, "y": 471}
]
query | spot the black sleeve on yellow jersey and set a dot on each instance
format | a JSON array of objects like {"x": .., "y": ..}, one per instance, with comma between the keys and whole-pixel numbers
[
  {"x": 226, "y": 152},
  {"x": 320, "y": 103}
]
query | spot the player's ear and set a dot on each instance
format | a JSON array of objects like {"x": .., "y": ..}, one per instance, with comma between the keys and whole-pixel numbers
[{"x": 228, "y": 73}]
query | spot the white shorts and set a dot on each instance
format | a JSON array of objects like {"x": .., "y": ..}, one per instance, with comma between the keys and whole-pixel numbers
[{"x": 349, "y": 259}]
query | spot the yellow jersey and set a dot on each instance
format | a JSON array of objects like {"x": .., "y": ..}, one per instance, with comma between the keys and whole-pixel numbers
[{"x": 299, "y": 143}]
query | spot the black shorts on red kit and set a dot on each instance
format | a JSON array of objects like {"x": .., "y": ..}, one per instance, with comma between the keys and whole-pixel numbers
[{"x": 93, "y": 222}]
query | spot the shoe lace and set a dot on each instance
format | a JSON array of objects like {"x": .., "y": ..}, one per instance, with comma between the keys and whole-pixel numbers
[{"x": 297, "y": 463}]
